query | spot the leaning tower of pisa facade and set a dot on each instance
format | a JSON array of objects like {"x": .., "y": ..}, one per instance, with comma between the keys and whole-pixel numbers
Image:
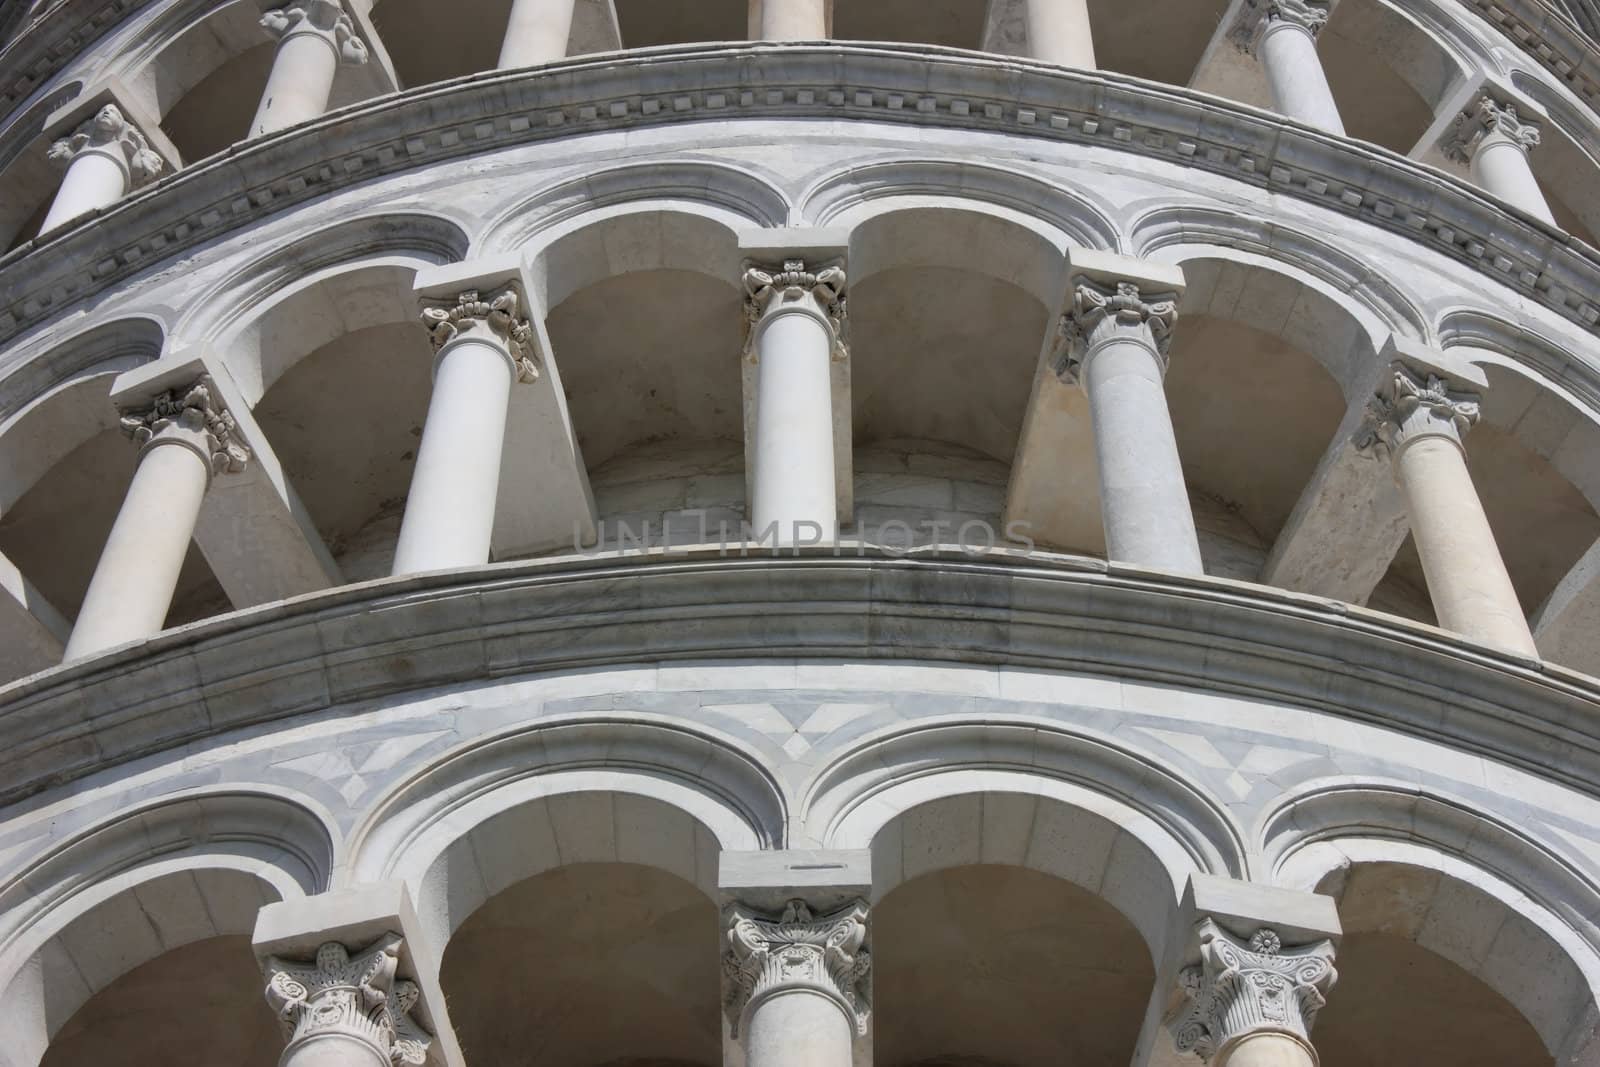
[{"x": 800, "y": 533}]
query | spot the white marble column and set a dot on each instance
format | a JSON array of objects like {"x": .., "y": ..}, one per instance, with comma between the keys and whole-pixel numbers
[
  {"x": 346, "y": 1008},
  {"x": 797, "y": 322},
  {"x": 105, "y": 159},
  {"x": 797, "y": 984},
  {"x": 1059, "y": 32},
  {"x": 1282, "y": 34},
  {"x": 185, "y": 438},
  {"x": 793, "y": 20},
  {"x": 1251, "y": 1003},
  {"x": 1115, "y": 339},
  {"x": 1423, "y": 420},
  {"x": 314, "y": 37},
  {"x": 1494, "y": 141},
  {"x": 536, "y": 33},
  {"x": 484, "y": 346}
]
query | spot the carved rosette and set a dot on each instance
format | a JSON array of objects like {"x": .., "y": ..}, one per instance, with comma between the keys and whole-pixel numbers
[
  {"x": 769, "y": 288},
  {"x": 357, "y": 997},
  {"x": 1484, "y": 119},
  {"x": 325, "y": 18},
  {"x": 1410, "y": 405},
  {"x": 498, "y": 314},
  {"x": 194, "y": 416},
  {"x": 110, "y": 133},
  {"x": 1102, "y": 313},
  {"x": 1257, "y": 15},
  {"x": 1239, "y": 989},
  {"x": 826, "y": 955}
]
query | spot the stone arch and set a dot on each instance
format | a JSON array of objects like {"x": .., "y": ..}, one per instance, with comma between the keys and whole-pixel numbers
[
  {"x": 1480, "y": 893},
  {"x": 852, "y": 195},
  {"x": 739, "y": 196},
  {"x": 849, "y": 800},
  {"x": 1567, "y": 161},
  {"x": 652, "y": 794},
  {"x": 1342, "y": 280},
  {"x": 158, "y": 878}
]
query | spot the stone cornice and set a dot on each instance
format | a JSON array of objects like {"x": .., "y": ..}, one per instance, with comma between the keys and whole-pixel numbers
[
  {"x": 924, "y": 87},
  {"x": 364, "y": 642}
]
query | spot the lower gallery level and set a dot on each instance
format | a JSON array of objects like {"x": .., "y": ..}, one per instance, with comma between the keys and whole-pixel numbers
[{"x": 814, "y": 861}]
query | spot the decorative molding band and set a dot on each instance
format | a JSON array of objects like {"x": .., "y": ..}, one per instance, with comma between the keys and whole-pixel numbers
[
  {"x": 355, "y": 997},
  {"x": 1242, "y": 988},
  {"x": 923, "y": 87},
  {"x": 797, "y": 950},
  {"x": 323, "y": 650},
  {"x": 1556, "y": 46}
]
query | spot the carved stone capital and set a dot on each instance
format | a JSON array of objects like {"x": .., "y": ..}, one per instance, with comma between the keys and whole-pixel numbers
[
  {"x": 1100, "y": 313},
  {"x": 353, "y": 996},
  {"x": 1481, "y": 121},
  {"x": 496, "y": 315},
  {"x": 111, "y": 134},
  {"x": 325, "y": 18},
  {"x": 769, "y": 288},
  {"x": 797, "y": 950},
  {"x": 194, "y": 417},
  {"x": 1257, "y": 16},
  {"x": 1243, "y": 988},
  {"x": 1410, "y": 405}
]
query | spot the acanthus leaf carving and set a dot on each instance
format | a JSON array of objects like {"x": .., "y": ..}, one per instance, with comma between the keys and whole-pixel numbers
[
  {"x": 1412, "y": 404},
  {"x": 110, "y": 132},
  {"x": 1483, "y": 119},
  {"x": 825, "y": 954},
  {"x": 357, "y": 996},
  {"x": 766, "y": 287},
  {"x": 1098, "y": 312},
  {"x": 322, "y": 17},
  {"x": 1244, "y": 987},
  {"x": 1256, "y": 16},
  {"x": 500, "y": 314},
  {"x": 194, "y": 413}
]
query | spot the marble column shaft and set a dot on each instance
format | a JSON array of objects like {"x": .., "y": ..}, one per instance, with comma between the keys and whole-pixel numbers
[
  {"x": 1283, "y": 35},
  {"x": 796, "y": 322},
  {"x": 184, "y": 438},
  {"x": 1423, "y": 421},
  {"x": 105, "y": 158},
  {"x": 484, "y": 347},
  {"x": 1059, "y": 31},
  {"x": 314, "y": 37},
  {"x": 536, "y": 32},
  {"x": 1115, "y": 343},
  {"x": 794, "y": 20},
  {"x": 1495, "y": 142}
]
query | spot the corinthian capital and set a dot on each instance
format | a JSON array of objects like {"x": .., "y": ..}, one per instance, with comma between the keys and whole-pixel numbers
[
  {"x": 1485, "y": 118},
  {"x": 324, "y": 18},
  {"x": 1410, "y": 404},
  {"x": 111, "y": 134},
  {"x": 496, "y": 315},
  {"x": 1241, "y": 988},
  {"x": 768, "y": 288},
  {"x": 196, "y": 417},
  {"x": 353, "y": 996},
  {"x": 1101, "y": 312},
  {"x": 797, "y": 951},
  {"x": 1258, "y": 15}
]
